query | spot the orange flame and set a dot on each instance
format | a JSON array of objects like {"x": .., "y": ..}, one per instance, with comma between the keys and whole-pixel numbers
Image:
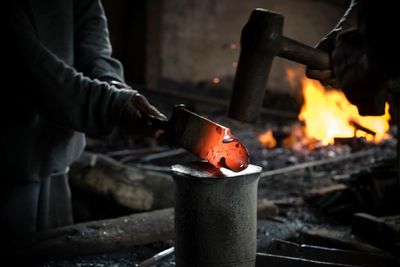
[{"x": 328, "y": 114}]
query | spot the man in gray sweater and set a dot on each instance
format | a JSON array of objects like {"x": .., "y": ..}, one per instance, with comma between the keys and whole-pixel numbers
[{"x": 60, "y": 83}]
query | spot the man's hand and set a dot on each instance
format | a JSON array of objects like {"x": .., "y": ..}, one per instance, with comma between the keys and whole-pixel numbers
[
  {"x": 350, "y": 65},
  {"x": 363, "y": 83},
  {"x": 132, "y": 121},
  {"x": 349, "y": 59},
  {"x": 326, "y": 76}
]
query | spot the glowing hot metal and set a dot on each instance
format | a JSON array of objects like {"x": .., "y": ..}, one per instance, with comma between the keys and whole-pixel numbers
[{"x": 206, "y": 139}]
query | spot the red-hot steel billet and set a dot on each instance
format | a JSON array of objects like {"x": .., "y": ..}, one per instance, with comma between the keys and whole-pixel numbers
[{"x": 208, "y": 140}]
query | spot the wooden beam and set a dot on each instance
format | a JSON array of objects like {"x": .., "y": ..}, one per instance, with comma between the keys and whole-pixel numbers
[
  {"x": 128, "y": 186},
  {"x": 96, "y": 236}
]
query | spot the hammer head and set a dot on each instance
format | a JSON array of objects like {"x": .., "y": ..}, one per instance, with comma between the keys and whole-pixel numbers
[{"x": 261, "y": 41}]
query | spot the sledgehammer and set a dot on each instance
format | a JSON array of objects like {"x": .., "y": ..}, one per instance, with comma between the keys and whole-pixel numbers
[{"x": 261, "y": 41}]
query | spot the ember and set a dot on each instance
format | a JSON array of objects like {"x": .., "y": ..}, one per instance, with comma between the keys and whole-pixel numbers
[
  {"x": 267, "y": 139},
  {"x": 216, "y": 80}
]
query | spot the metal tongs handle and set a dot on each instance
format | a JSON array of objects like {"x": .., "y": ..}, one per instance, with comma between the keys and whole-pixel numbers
[
  {"x": 165, "y": 125},
  {"x": 155, "y": 122}
]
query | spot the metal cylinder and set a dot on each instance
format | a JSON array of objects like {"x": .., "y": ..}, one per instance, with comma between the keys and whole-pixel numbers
[{"x": 215, "y": 215}]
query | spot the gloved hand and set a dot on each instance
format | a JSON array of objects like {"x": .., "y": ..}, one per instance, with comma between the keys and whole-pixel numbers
[
  {"x": 349, "y": 60},
  {"x": 326, "y": 76},
  {"x": 363, "y": 83},
  {"x": 132, "y": 121}
]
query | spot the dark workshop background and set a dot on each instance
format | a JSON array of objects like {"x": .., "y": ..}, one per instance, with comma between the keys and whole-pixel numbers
[{"x": 178, "y": 45}]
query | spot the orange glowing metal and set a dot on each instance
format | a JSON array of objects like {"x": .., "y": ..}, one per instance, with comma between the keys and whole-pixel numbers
[
  {"x": 328, "y": 114},
  {"x": 208, "y": 140},
  {"x": 223, "y": 150}
]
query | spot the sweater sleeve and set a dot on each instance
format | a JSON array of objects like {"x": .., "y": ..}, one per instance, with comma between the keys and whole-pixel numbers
[
  {"x": 93, "y": 51},
  {"x": 62, "y": 93}
]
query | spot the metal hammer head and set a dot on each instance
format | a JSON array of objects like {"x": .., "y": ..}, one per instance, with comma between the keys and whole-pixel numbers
[{"x": 261, "y": 41}]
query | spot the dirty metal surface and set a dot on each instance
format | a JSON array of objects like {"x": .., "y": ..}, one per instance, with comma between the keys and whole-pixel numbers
[
  {"x": 264, "y": 259},
  {"x": 125, "y": 258}
]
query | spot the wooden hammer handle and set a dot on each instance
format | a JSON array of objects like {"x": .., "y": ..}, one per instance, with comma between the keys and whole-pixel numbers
[{"x": 304, "y": 54}]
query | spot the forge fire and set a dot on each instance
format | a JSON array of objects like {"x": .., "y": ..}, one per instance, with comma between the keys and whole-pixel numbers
[{"x": 325, "y": 116}]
